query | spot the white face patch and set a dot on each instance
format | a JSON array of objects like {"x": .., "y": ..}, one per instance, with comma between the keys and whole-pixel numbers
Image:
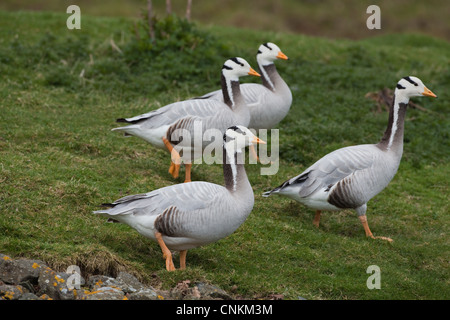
[{"x": 409, "y": 87}]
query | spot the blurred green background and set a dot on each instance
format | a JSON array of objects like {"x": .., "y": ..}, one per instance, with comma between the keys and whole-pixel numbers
[{"x": 326, "y": 18}]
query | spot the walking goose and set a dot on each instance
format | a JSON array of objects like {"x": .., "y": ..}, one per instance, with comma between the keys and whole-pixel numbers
[
  {"x": 166, "y": 126},
  {"x": 270, "y": 102},
  {"x": 189, "y": 215},
  {"x": 349, "y": 177}
]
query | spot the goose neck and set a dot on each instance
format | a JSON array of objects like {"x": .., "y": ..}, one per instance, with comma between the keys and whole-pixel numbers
[
  {"x": 392, "y": 139},
  {"x": 269, "y": 75},
  {"x": 236, "y": 180},
  {"x": 231, "y": 91}
]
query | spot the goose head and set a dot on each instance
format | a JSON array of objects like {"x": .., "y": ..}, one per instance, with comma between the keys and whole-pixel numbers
[
  {"x": 268, "y": 53},
  {"x": 237, "y": 138},
  {"x": 235, "y": 68},
  {"x": 411, "y": 86}
]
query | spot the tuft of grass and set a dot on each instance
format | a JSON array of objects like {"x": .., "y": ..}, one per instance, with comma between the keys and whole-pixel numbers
[{"x": 62, "y": 90}]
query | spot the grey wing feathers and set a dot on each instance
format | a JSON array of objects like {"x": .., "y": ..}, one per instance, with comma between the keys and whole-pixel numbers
[
  {"x": 130, "y": 198},
  {"x": 176, "y": 131},
  {"x": 254, "y": 93},
  {"x": 216, "y": 95},
  {"x": 175, "y": 111},
  {"x": 186, "y": 197},
  {"x": 129, "y": 204},
  {"x": 330, "y": 169}
]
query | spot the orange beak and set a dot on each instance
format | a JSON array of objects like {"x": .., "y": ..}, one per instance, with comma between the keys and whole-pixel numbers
[
  {"x": 252, "y": 72},
  {"x": 258, "y": 140},
  {"x": 281, "y": 55},
  {"x": 427, "y": 92}
]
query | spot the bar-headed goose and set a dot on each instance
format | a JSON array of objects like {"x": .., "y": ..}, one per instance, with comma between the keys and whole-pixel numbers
[
  {"x": 181, "y": 121},
  {"x": 349, "y": 177},
  {"x": 270, "y": 102},
  {"x": 189, "y": 215}
]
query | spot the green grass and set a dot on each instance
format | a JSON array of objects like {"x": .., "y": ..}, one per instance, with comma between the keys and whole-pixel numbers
[{"x": 59, "y": 160}]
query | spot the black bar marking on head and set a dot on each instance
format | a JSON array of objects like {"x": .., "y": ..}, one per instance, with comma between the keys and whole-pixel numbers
[
  {"x": 237, "y": 61},
  {"x": 234, "y": 128},
  {"x": 227, "y": 67},
  {"x": 237, "y": 129},
  {"x": 267, "y": 46},
  {"x": 399, "y": 86},
  {"x": 410, "y": 81}
]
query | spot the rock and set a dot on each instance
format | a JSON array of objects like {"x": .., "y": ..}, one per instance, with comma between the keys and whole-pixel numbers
[
  {"x": 105, "y": 293},
  {"x": 54, "y": 285},
  {"x": 29, "y": 296},
  {"x": 208, "y": 291},
  {"x": 11, "y": 292},
  {"x": 45, "y": 297},
  {"x": 103, "y": 288},
  {"x": 128, "y": 283},
  {"x": 22, "y": 279},
  {"x": 3, "y": 259},
  {"x": 20, "y": 270},
  {"x": 146, "y": 294},
  {"x": 98, "y": 281},
  {"x": 31, "y": 285},
  {"x": 73, "y": 277}
]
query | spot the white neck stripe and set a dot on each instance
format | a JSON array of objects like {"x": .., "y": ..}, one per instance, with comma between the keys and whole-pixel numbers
[
  {"x": 266, "y": 76},
  {"x": 394, "y": 125},
  {"x": 230, "y": 92},
  {"x": 232, "y": 164}
]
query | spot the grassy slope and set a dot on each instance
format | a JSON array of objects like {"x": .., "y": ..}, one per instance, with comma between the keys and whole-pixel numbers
[
  {"x": 324, "y": 18},
  {"x": 58, "y": 161}
]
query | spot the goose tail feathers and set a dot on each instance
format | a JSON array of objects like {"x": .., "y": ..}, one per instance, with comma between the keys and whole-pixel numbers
[{"x": 268, "y": 193}]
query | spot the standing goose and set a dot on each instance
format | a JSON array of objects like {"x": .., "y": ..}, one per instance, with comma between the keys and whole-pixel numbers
[
  {"x": 165, "y": 126},
  {"x": 349, "y": 177},
  {"x": 189, "y": 215},
  {"x": 270, "y": 102}
]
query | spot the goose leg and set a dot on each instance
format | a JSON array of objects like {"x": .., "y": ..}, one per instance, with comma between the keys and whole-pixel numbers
[
  {"x": 363, "y": 220},
  {"x": 183, "y": 254},
  {"x": 187, "y": 177},
  {"x": 175, "y": 158},
  {"x": 172, "y": 167},
  {"x": 166, "y": 252},
  {"x": 316, "y": 220}
]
